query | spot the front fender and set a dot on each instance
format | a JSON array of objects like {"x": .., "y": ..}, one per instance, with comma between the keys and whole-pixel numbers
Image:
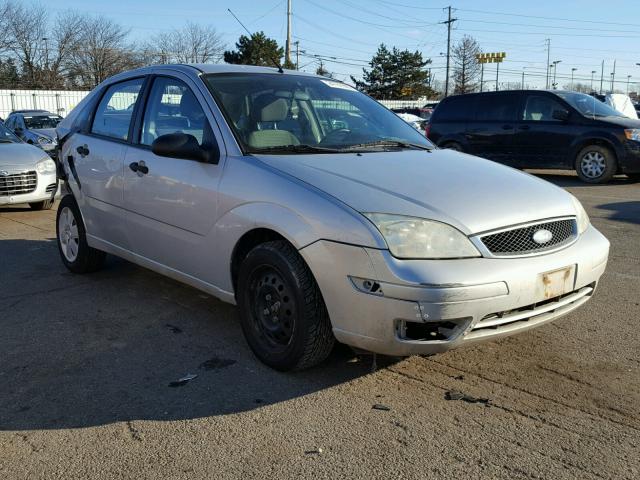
[{"x": 595, "y": 137}]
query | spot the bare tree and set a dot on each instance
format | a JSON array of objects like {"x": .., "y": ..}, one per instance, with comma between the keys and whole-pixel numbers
[
  {"x": 27, "y": 26},
  {"x": 5, "y": 18},
  {"x": 466, "y": 68},
  {"x": 99, "y": 52},
  {"x": 193, "y": 43}
]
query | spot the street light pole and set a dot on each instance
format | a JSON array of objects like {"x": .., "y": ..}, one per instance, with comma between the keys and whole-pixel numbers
[
  {"x": 628, "y": 80},
  {"x": 572, "y": 71},
  {"x": 555, "y": 70},
  {"x": 592, "y": 73}
]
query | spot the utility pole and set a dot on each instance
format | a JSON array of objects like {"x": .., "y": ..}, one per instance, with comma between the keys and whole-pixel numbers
[
  {"x": 287, "y": 52},
  {"x": 548, "y": 60},
  {"x": 481, "y": 76},
  {"x": 601, "y": 77},
  {"x": 592, "y": 73},
  {"x": 628, "y": 80},
  {"x": 448, "y": 22},
  {"x": 613, "y": 75},
  {"x": 497, "y": 74},
  {"x": 522, "y": 85},
  {"x": 572, "y": 70},
  {"x": 297, "y": 54}
]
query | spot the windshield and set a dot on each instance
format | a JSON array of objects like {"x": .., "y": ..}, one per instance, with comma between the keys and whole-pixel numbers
[
  {"x": 7, "y": 135},
  {"x": 273, "y": 113},
  {"x": 42, "y": 121},
  {"x": 587, "y": 105}
]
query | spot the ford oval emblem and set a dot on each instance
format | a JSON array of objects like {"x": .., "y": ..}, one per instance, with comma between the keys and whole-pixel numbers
[{"x": 542, "y": 236}]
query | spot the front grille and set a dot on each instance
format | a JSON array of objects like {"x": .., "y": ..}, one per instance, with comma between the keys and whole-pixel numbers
[
  {"x": 519, "y": 241},
  {"x": 18, "y": 183}
]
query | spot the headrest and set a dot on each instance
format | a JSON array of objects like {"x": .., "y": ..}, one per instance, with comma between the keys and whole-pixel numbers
[
  {"x": 189, "y": 105},
  {"x": 276, "y": 111}
]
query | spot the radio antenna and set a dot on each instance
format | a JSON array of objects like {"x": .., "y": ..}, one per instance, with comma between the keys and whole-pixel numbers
[{"x": 275, "y": 62}]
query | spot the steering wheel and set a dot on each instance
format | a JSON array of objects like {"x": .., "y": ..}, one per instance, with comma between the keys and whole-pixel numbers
[{"x": 335, "y": 135}]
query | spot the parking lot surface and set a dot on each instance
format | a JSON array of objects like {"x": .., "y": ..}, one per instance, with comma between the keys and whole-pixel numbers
[{"x": 89, "y": 369}]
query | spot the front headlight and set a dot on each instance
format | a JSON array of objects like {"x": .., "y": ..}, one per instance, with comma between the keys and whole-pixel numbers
[
  {"x": 581, "y": 215},
  {"x": 46, "y": 166},
  {"x": 632, "y": 134},
  {"x": 44, "y": 140},
  {"x": 409, "y": 237}
]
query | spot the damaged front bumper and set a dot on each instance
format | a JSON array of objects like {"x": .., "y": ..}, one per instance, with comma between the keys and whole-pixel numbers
[{"x": 405, "y": 307}]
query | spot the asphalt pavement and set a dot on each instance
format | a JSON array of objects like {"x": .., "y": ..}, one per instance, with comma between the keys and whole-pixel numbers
[{"x": 90, "y": 370}]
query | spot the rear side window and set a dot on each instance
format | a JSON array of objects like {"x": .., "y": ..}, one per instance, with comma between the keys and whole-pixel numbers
[
  {"x": 454, "y": 109},
  {"x": 502, "y": 107},
  {"x": 540, "y": 108},
  {"x": 115, "y": 110}
]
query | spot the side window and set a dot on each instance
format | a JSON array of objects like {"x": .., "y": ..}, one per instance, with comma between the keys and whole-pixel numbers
[
  {"x": 173, "y": 108},
  {"x": 455, "y": 109},
  {"x": 115, "y": 110},
  {"x": 502, "y": 107},
  {"x": 540, "y": 109}
]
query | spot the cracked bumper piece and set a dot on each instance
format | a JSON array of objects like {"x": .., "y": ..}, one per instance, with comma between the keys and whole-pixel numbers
[{"x": 405, "y": 307}]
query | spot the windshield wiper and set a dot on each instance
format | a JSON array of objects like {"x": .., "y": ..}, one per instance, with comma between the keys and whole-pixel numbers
[
  {"x": 303, "y": 148},
  {"x": 389, "y": 143}
]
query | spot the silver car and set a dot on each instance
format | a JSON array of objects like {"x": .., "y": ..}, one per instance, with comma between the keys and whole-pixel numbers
[
  {"x": 27, "y": 174},
  {"x": 36, "y": 127},
  {"x": 320, "y": 213}
]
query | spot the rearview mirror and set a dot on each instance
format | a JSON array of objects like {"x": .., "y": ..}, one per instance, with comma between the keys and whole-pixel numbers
[
  {"x": 561, "y": 115},
  {"x": 185, "y": 146}
]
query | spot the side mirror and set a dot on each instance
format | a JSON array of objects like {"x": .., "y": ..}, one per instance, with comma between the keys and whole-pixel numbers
[
  {"x": 18, "y": 131},
  {"x": 561, "y": 115},
  {"x": 185, "y": 146}
]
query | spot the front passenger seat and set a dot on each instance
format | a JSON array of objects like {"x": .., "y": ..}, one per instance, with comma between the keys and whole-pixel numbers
[{"x": 274, "y": 111}]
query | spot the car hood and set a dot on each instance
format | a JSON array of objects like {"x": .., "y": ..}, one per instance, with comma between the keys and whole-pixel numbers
[
  {"x": 16, "y": 156},
  {"x": 470, "y": 193},
  {"x": 47, "y": 132},
  {"x": 625, "y": 122}
]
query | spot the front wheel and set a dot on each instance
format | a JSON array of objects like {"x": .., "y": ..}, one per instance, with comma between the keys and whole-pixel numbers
[
  {"x": 44, "y": 205},
  {"x": 282, "y": 313},
  {"x": 71, "y": 235},
  {"x": 596, "y": 164}
]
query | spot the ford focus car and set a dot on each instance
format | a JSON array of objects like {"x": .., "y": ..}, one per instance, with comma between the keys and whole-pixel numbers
[{"x": 321, "y": 214}]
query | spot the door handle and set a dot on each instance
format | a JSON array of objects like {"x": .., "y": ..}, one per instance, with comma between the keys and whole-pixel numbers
[
  {"x": 139, "y": 167},
  {"x": 524, "y": 127},
  {"x": 83, "y": 150}
]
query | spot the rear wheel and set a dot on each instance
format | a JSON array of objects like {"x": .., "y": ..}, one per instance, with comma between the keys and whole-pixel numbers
[
  {"x": 596, "y": 164},
  {"x": 282, "y": 312},
  {"x": 76, "y": 254},
  {"x": 44, "y": 205}
]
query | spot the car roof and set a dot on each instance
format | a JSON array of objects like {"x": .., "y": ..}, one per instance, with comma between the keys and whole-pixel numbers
[{"x": 31, "y": 111}]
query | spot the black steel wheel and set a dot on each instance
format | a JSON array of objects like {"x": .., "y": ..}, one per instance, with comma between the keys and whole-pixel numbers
[{"x": 282, "y": 312}]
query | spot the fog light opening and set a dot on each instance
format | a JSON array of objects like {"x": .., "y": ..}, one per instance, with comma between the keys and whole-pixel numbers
[{"x": 430, "y": 331}]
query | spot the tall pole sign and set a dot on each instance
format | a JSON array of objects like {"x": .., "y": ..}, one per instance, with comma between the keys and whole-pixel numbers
[{"x": 494, "y": 57}]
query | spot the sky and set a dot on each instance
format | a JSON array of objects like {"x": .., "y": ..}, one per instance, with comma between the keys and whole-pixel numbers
[{"x": 347, "y": 32}]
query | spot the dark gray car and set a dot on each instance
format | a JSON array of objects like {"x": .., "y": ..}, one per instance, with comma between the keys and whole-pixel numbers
[{"x": 36, "y": 127}]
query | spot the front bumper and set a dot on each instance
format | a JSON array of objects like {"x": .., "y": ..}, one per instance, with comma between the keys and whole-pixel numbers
[
  {"x": 45, "y": 186},
  {"x": 405, "y": 307},
  {"x": 630, "y": 159}
]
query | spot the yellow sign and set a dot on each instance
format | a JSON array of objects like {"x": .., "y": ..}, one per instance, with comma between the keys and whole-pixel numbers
[{"x": 494, "y": 57}]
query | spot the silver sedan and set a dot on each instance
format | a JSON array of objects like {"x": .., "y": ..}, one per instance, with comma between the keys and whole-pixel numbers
[{"x": 317, "y": 211}]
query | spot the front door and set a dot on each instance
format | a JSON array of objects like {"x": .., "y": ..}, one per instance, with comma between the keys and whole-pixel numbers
[
  {"x": 97, "y": 156},
  {"x": 542, "y": 140},
  {"x": 171, "y": 202}
]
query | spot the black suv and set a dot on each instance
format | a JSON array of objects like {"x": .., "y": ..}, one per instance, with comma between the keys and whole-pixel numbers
[{"x": 540, "y": 129}]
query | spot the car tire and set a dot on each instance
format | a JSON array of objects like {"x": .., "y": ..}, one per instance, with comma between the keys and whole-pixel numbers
[
  {"x": 71, "y": 236},
  {"x": 455, "y": 146},
  {"x": 282, "y": 313},
  {"x": 44, "y": 205},
  {"x": 596, "y": 164}
]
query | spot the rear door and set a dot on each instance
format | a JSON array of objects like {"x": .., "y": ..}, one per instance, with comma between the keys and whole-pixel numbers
[
  {"x": 491, "y": 130},
  {"x": 541, "y": 140},
  {"x": 97, "y": 154},
  {"x": 172, "y": 202}
]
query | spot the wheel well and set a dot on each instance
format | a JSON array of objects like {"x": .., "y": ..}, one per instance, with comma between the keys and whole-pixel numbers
[
  {"x": 246, "y": 243},
  {"x": 593, "y": 141}
]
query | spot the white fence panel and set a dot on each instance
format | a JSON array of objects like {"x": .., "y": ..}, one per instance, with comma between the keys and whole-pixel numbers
[
  {"x": 404, "y": 103},
  {"x": 56, "y": 101}
]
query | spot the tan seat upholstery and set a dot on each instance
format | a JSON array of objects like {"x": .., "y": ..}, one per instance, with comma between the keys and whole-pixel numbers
[{"x": 276, "y": 110}]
